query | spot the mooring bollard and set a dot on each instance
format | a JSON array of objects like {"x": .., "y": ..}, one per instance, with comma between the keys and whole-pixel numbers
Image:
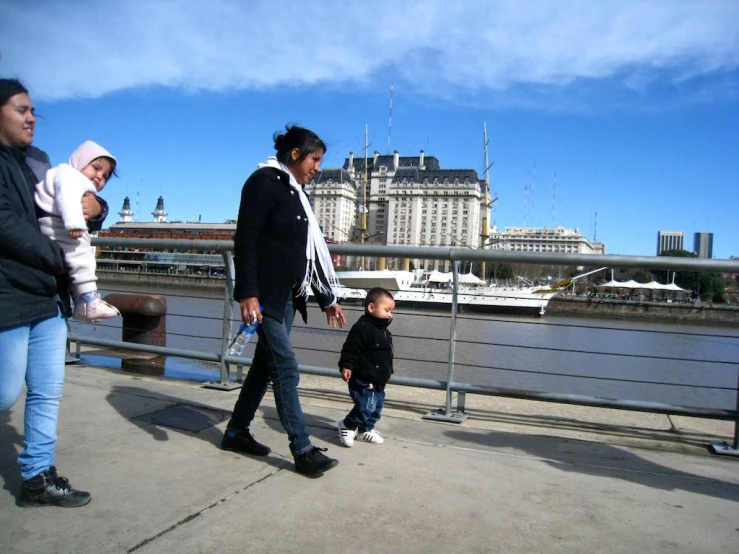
[{"x": 144, "y": 322}]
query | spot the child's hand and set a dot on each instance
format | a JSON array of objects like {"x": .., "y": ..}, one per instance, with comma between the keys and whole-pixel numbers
[
  {"x": 75, "y": 233},
  {"x": 346, "y": 374}
]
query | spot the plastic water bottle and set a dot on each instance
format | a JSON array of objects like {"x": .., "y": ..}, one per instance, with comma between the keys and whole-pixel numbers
[{"x": 244, "y": 335}]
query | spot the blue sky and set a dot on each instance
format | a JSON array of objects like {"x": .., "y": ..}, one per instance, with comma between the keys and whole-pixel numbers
[{"x": 634, "y": 105}]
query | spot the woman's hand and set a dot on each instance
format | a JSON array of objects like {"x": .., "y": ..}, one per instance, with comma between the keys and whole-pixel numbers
[
  {"x": 90, "y": 206},
  {"x": 75, "y": 233},
  {"x": 250, "y": 310},
  {"x": 335, "y": 316}
]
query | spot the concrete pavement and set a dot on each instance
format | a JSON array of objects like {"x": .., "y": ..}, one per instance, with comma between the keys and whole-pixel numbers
[{"x": 517, "y": 476}]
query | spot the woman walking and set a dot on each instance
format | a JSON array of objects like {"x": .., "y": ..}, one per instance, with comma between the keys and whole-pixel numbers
[
  {"x": 33, "y": 333},
  {"x": 280, "y": 255}
]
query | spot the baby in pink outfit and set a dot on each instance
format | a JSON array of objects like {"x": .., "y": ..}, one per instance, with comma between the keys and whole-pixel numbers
[{"x": 59, "y": 195}]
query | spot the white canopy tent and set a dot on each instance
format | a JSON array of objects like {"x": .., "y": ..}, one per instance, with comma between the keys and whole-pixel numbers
[
  {"x": 631, "y": 284},
  {"x": 611, "y": 284},
  {"x": 673, "y": 286}
]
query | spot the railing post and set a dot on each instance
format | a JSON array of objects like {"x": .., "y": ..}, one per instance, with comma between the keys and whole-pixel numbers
[
  {"x": 461, "y": 397},
  {"x": 446, "y": 414},
  {"x": 225, "y": 378},
  {"x": 722, "y": 447},
  {"x": 69, "y": 359}
]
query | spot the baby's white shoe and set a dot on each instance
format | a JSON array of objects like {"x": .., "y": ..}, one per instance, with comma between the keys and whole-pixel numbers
[{"x": 90, "y": 307}]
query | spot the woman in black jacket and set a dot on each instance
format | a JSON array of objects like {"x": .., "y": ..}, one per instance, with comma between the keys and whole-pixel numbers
[
  {"x": 33, "y": 333},
  {"x": 280, "y": 255}
]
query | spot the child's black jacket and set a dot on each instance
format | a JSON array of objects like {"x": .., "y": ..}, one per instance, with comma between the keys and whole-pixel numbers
[{"x": 368, "y": 350}]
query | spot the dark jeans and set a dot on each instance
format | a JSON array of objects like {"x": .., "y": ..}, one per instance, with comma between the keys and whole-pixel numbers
[
  {"x": 368, "y": 402},
  {"x": 274, "y": 360}
]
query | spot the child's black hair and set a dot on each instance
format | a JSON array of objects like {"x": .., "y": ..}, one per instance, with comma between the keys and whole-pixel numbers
[{"x": 376, "y": 294}]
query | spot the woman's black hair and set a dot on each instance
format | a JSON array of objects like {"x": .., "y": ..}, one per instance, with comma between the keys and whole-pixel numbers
[
  {"x": 9, "y": 88},
  {"x": 304, "y": 140}
]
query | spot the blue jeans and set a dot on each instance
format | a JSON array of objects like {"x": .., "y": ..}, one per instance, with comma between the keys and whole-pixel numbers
[
  {"x": 33, "y": 353},
  {"x": 274, "y": 360},
  {"x": 368, "y": 403}
]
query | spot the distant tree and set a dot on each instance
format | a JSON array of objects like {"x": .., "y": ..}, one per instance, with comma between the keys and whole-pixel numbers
[
  {"x": 709, "y": 284},
  {"x": 502, "y": 272},
  {"x": 638, "y": 275},
  {"x": 641, "y": 276}
]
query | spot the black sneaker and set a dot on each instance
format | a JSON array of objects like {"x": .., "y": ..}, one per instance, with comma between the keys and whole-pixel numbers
[
  {"x": 49, "y": 489},
  {"x": 314, "y": 462},
  {"x": 243, "y": 441}
]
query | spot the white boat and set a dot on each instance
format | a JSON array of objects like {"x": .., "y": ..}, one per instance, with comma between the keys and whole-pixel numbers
[{"x": 436, "y": 292}]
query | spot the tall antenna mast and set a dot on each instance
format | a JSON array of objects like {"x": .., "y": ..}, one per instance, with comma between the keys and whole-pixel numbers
[
  {"x": 595, "y": 228},
  {"x": 554, "y": 198},
  {"x": 138, "y": 199},
  {"x": 532, "y": 189},
  {"x": 390, "y": 118}
]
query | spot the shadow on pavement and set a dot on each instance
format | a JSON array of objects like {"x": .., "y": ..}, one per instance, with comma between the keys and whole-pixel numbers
[
  {"x": 187, "y": 417},
  {"x": 323, "y": 428},
  {"x": 689, "y": 438},
  {"x": 600, "y": 460},
  {"x": 10, "y": 444}
]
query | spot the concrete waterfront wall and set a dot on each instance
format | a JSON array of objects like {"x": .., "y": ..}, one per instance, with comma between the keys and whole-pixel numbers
[
  {"x": 627, "y": 309},
  {"x": 157, "y": 280}
]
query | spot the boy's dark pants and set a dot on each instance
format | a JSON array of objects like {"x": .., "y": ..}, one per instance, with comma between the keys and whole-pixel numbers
[{"x": 368, "y": 400}]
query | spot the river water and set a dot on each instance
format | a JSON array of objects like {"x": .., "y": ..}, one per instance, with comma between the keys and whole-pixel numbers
[{"x": 689, "y": 365}]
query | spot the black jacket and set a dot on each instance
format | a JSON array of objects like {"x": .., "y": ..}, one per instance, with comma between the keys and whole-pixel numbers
[
  {"x": 368, "y": 350},
  {"x": 29, "y": 261},
  {"x": 269, "y": 244}
]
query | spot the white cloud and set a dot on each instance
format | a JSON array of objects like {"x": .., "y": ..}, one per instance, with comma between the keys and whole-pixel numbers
[{"x": 437, "y": 47}]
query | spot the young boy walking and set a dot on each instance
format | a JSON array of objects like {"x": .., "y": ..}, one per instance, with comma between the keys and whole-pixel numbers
[{"x": 366, "y": 364}]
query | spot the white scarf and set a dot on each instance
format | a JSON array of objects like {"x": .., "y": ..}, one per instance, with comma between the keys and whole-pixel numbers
[{"x": 316, "y": 250}]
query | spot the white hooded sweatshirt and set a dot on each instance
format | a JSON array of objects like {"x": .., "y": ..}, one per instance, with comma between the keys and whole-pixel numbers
[{"x": 60, "y": 193}]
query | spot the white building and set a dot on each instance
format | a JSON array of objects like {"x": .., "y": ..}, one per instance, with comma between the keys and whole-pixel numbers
[
  {"x": 333, "y": 197},
  {"x": 542, "y": 239},
  {"x": 669, "y": 240},
  {"x": 126, "y": 214},
  {"x": 412, "y": 201},
  {"x": 159, "y": 213}
]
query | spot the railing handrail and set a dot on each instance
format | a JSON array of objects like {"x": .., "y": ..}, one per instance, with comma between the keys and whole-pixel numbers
[
  {"x": 456, "y": 254},
  {"x": 434, "y": 384}
]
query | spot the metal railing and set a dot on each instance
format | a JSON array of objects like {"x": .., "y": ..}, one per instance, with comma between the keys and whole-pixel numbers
[{"x": 450, "y": 385}]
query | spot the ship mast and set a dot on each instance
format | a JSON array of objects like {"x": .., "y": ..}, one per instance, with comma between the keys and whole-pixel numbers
[
  {"x": 486, "y": 201},
  {"x": 363, "y": 215}
]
